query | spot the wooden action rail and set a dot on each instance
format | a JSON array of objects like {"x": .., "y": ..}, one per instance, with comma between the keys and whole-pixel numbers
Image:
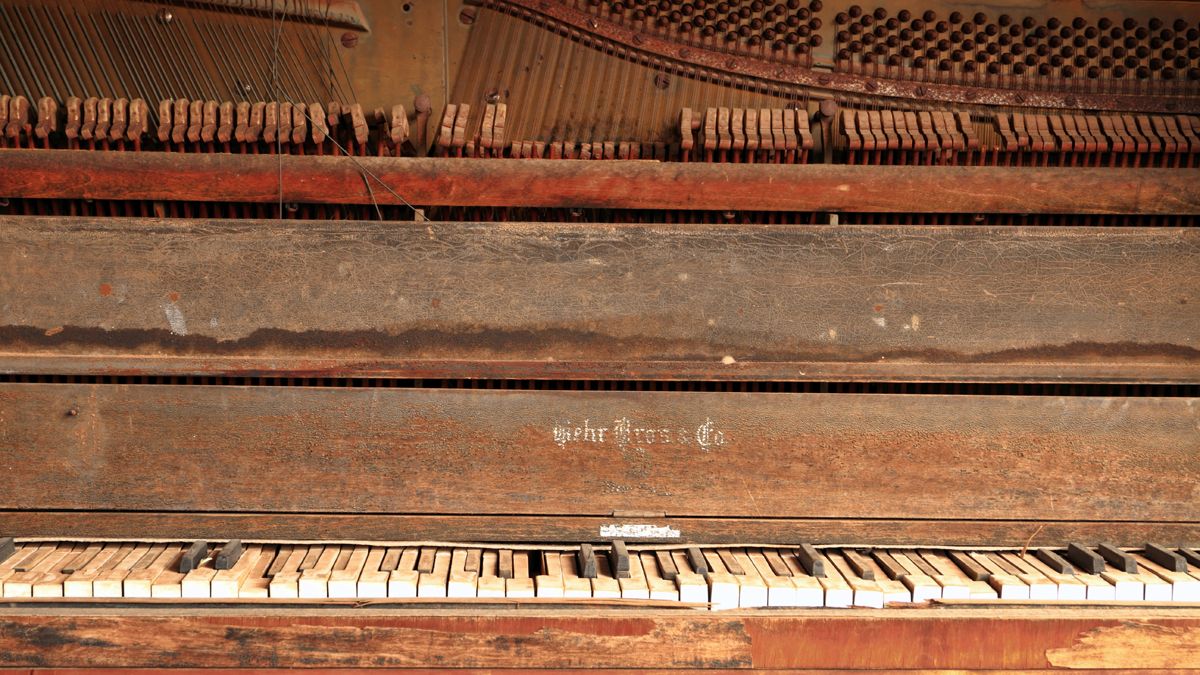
[{"x": 34, "y": 174}]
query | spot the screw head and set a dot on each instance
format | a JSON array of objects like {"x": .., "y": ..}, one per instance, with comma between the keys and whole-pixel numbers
[
  {"x": 349, "y": 40},
  {"x": 164, "y": 15}
]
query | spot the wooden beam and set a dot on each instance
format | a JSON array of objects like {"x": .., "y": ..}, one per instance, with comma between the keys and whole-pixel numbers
[
  {"x": 530, "y": 638},
  {"x": 549, "y": 453},
  {"x": 553, "y": 301},
  {"x": 571, "y": 529},
  {"x": 597, "y": 184}
]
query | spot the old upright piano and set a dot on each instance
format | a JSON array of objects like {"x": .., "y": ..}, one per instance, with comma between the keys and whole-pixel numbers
[{"x": 663, "y": 334}]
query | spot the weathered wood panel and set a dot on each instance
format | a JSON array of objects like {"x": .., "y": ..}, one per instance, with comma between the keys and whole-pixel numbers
[
  {"x": 855, "y": 639},
  {"x": 413, "y": 451},
  {"x": 571, "y": 529},
  {"x": 617, "y": 185},
  {"x": 596, "y": 301}
]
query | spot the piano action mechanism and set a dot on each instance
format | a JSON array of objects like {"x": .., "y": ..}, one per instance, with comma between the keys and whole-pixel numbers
[{"x": 586, "y": 333}]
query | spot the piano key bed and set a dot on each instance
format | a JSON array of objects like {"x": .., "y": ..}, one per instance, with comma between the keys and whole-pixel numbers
[{"x": 717, "y": 578}]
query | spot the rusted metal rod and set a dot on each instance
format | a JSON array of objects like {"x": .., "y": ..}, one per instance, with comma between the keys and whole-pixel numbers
[{"x": 596, "y": 184}]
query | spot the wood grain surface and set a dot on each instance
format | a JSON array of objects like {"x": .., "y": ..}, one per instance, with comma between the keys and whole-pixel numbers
[
  {"x": 617, "y": 185},
  {"x": 853, "y": 639},
  {"x": 520, "y": 300},
  {"x": 295, "y": 450}
]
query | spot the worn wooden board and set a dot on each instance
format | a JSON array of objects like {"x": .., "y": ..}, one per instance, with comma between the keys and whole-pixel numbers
[
  {"x": 616, "y": 185},
  {"x": 599, "y": 301},
  {"x": 464, "y": 452},
  {"x": 574, "y": 529},
  {"x": 852, "y": 639}
]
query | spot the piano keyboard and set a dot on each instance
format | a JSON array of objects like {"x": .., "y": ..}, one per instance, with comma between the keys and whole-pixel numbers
[{"x": 720, "y": 578}]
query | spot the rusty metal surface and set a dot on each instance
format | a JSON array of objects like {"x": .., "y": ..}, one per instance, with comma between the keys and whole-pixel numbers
[
  {"x": 585, "y": 301},
  {"x": 437, "y": 451},
  {"x": 644, "y": 45}
]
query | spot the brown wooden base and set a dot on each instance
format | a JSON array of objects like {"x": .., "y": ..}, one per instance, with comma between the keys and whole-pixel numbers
[{"x": 997, "y": 638}]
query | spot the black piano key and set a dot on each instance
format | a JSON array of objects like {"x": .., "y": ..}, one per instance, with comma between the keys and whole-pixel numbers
[
  {"x": 1085, "y": 558},
  {"x": 666, "y": 565},
  {"x": 504, "y": 564},
  {"x": 859, "y": 564},
  {"x": 889, "y": 564},
  {"x": 696, "y": 558},
  {"x": 1166, "y": 558},
  {"x": 969, "y": 566},
  {"x": 1054, "y": 561},
  {"x": 587, "y": 561},
  {"x": 1191, "y": 555},
  {"x": 1118, "y": 558},
  {"x": 7, "y": 548},
  {"x": 425, "y": 561},
  {"x": 474, "y": 559},
  {"x": 192, "y": 557},
  {"x": 228, "y": 555},
  {"x": 618, "y": 560},
  {"x": 731, "y": 563},
  {"x": 811, "y": 560}
]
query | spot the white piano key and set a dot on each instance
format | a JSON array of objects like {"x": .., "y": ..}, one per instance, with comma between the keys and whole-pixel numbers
[
  {"x": 809, "y": 592},
  {"x": 781, "y": 592},
  {"x": 1041, "y": 587},
  {"x": 228, "y": 583},
  {"x": 314, "y": 581},
  {"x": 521, "y": 585},
  {"x": 139, "y": 583},
  {"x": 16, "y": 582},
  {"x": 691, "y": 586},
  {"x": 343, "y": 583},
  {"x": 491, "y": 585},
  {"x": 634, "y": 586},
  {"x": 752, "y": 589},
  {"x": 867, "y": 593},
  {"x": 433, "y": 584},
  {"x": 1098, "y": 589},
  {"x": 1007, "y": 585},
  {"x": 893, "y": 589},
  {"x": 285, "y": 583},
  {"x": 1184, "y": 587},
  {"x": 605, "y": 585},
  {"x": 403, "y": 581},
  {"x": 463, "y": 583},
  {"x": 660, "y": 588},
  {"x": 838, "y": 592},
  {"x": 724, "y": 591},
  {"x": 1126, "y": 586},
  {"x": 372, "y": 583},
  {"x": 110, "y": 583},
  {"x": 550, "y": 584},
  {"x": 256, "y": 583},
  {"x": 79, "y": 583},
  {"x": 951, "y": 576},
  {"x": 574, "y": 586},
  {"x": 1069, "y": 587}
]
